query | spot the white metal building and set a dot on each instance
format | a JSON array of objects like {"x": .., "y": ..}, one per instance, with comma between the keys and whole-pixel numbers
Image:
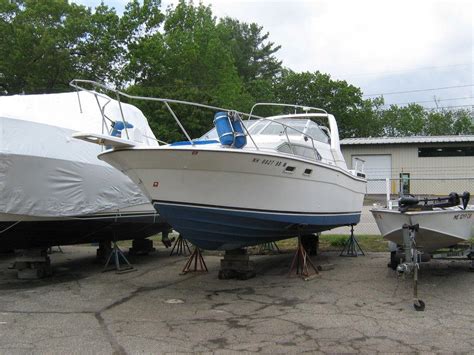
[{"x": 419, "y": 164}]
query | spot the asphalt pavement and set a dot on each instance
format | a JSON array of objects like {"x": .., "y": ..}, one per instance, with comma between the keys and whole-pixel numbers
[{"x": 358, "y": 306}]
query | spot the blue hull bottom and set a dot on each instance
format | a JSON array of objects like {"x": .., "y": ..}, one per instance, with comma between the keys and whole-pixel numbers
[{"x": 224, "y": 228}]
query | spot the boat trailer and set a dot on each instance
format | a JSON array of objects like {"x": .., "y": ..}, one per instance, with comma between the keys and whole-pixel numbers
[
  {"x": 412, "y": 261},
  {"x": 413, "y": 258}
]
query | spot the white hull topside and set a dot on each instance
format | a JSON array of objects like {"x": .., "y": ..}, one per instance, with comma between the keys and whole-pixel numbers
[
  {"x": 439, "y": 228},
  {"x": 245, "y": 179}
]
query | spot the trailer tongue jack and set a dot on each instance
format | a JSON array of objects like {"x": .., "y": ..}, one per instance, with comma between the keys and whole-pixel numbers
[{"x": 411, "y": 264}]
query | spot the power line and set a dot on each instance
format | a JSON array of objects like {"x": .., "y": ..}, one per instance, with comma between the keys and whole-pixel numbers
[
  {"x": 471, "y": 105},
  {"x": 420, "y": 90},
  {"x": 404, "y": 70},
  {"x": 427, "y": 101}
]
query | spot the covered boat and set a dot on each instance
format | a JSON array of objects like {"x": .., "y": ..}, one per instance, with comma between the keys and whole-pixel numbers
[{"x": 53, "y": 189}]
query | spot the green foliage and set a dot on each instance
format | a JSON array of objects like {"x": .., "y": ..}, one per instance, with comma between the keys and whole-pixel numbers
[
  {"x": 185, "y": 53},
  {"x": 354, "y": 114},
  {"x": 35, "y": 44},
  {"x": 190, "y": 62},
  {"x": 337, "y": 241},
  {"x": 415, "y": 120}
]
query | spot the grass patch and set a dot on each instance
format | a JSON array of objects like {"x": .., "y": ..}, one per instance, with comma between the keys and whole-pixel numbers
[
  {"x": 335, "y": 242},
  {"x": 327, "y": 242}
]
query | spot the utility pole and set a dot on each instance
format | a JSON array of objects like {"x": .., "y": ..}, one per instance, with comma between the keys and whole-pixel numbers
[{"x": 436, "y": 102}]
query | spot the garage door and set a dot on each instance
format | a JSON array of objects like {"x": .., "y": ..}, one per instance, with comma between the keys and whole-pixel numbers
[{"x": 377, "y": 168}]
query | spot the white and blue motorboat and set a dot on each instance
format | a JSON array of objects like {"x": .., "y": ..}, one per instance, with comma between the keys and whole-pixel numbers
[{"x": 281, "y": 177}]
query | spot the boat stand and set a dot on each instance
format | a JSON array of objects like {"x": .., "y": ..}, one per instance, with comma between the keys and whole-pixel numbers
[
  {"x": 269, "y": 248},
  {"x": 51, "y": 250},
  {"x": 33, "y": 264},
  {"x": 311, "y": 243},
  {"x": 236, "y": 264},
  {"x": 116, "y": 254},
  {"x": 352, "y": 247},
  {"x": 411, "y": 263},
  {"x": 302, "y": 264},
  {"x": 182, "y": 247},
  {"x": 195, "y": 257},
  {"x": 141, "y": 247}
]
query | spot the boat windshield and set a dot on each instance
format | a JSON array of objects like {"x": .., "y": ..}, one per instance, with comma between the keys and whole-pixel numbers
[
  {"x": 295, "y": 127},
  {"x": 267, "y": 127},
  {"x": 212, "y": 134}
]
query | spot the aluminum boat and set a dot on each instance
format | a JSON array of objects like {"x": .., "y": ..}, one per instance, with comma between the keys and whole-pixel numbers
[{"x": 441, "y": 223}]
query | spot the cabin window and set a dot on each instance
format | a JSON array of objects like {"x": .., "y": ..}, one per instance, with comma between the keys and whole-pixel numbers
[
  {"x": 293, "y": 127},
  {"x": 317, "y": 133},
  {"x": 300, "y": 150},
  {"x": 428, "y": 152},
  {"x": 307, "y": 172},
  {"x": 290, "y": 169}
]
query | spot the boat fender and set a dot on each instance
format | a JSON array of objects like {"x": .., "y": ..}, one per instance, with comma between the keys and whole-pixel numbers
[
  {"x": 117, "y": 128},
  {"x": 240, "y": 139},
  {"x": 224, "y": 128}
]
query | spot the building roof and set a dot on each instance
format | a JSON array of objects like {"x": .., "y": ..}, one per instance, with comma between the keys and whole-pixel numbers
[{"x": 408, "y": 140}]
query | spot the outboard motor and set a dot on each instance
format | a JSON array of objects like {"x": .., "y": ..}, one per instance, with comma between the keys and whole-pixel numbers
[
  {"x": 465, "y": 199},
  {"x": 407, "y": 202},
  {"x": 118, "y": 126}
]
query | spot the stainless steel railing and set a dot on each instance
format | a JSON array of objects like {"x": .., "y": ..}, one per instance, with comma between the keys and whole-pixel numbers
[{"x": 79, "y": 84}]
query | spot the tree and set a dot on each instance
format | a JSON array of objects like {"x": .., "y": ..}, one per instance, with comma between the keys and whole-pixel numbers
[
  {"x": 45, "y": 44},
  {"x": 253, "y": 56},
  {"x": 354, "y": 114},
  {"x": 463, "y": 122},
  {"x": 404, "y": 121},
  {"x": 139, "y": 33},
  {"x": 252, "y": 52},
  {"x": 413, "y": 119},
  {"x": 195, "y": 65}
]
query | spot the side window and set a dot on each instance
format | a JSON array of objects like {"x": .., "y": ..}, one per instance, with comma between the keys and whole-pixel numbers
[
  {"x": 285, "y": 148},
  {"x": 318, "y": 134},
  {"x": 302, "y": 151}
]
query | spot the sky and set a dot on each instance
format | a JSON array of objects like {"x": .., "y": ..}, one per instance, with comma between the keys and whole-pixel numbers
[{"x": 383, "y": 47}]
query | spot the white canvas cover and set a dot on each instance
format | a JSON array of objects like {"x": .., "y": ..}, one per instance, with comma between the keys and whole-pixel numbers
[{"x": 44, "y": 172}]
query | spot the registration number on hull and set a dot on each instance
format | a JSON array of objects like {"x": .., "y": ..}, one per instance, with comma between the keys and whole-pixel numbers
[{"x": 460, "y": 216}]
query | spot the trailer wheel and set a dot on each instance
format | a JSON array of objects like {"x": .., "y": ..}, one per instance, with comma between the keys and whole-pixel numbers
[
  {"x": 419, "y": 306},
  {"x": 393, "y": 261}
]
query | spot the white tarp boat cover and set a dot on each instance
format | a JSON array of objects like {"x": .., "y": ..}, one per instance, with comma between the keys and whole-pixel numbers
[{"x": 44, "y": 172}]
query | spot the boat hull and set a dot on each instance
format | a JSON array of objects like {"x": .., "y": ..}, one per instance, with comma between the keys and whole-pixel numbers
[
  {"x": 437, "y": 229},
  {"x": 224, "y": 228},
  {"x": 23, "y": 232},
  {"x": 227, "y": 199}
]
